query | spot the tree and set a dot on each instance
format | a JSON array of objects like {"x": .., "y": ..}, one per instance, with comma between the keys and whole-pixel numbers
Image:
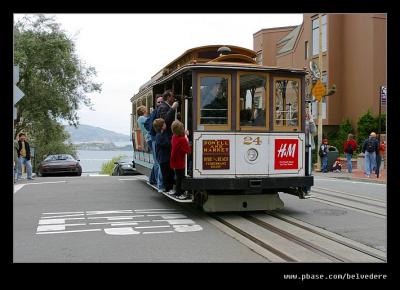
[
  {"x": 365, "y": 125},
  {"x": 55, "y": 81},
  {"x": 344, "y": 129}
]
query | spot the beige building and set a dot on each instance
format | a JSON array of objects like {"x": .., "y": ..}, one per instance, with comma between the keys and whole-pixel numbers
[{"x": 354, "y": 59}]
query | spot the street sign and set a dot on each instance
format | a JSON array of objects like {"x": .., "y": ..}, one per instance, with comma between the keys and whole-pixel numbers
[
  {"x": 318, "y": 91},
  {"x": 18, "y": 94},
  {"x": 383, "y": 95}
]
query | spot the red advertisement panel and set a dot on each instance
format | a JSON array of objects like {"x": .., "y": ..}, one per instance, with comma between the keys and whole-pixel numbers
[{"x": 286, "y": 154}]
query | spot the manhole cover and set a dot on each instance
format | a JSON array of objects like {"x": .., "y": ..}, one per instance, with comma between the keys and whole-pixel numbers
[{"x": 329, "y": 212}]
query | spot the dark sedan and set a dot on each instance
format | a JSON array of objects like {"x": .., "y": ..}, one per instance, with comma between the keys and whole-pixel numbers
[
  {"x": 124, "y": 167},
  {"x": 59, "y": 164}
]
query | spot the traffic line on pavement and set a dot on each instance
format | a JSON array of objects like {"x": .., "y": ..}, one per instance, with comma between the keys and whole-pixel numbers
[
  {"x": 18, "y": 187},
  {"x": 63, "y": 232},
  {"x": 341, "y": 180},
  {"x": 45, "y": 182}
]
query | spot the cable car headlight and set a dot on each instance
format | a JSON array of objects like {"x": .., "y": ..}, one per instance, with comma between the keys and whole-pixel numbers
[{"x": 252, "y": 154}]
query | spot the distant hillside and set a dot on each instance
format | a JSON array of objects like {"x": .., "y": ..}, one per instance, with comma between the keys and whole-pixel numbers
[{"x": 86, "y": 133}]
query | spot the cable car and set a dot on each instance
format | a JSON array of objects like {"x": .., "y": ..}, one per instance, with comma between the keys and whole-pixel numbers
[{"x": 246, "y": 124}]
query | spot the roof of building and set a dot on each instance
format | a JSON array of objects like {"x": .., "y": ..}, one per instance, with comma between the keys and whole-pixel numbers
[{"x": 289, "y": 40}]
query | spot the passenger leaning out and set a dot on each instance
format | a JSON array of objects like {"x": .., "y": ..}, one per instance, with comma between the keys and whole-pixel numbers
[
  {"x": 163, "y": 153},
  {"x": 180, "y": 147}
]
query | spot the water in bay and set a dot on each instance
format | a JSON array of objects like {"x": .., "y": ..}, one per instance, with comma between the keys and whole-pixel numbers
[{"x": 91, "y": 161}]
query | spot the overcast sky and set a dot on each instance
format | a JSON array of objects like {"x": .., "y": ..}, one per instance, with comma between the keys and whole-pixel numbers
[{"x": 127, "y": 49}]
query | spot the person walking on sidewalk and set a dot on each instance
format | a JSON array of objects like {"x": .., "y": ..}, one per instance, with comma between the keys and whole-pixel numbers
[
  {"x": 370, "y": 149},
  {"x": 323, "y": 153},
  {"x": 379, "y": 157},
  {"x": 24, "y": 157},
  {"x": 349, "y": 147}
]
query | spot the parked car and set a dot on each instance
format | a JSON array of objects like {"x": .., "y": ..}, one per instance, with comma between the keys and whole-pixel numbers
[
  {"x": 59, "y": 164},
  {"x": 124, "y": 167}
]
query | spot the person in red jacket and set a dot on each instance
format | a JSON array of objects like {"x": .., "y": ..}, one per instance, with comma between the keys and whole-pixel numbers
[
  {"x": 349, "y": 147},
  {"x": 180, "y": 147}
]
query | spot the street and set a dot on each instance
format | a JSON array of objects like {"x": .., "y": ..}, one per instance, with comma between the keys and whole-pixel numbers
[{"x": 121, "y": 219}]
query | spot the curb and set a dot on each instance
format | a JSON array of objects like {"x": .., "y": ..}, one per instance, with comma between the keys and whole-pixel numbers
[{"x": 381, "y": 181}]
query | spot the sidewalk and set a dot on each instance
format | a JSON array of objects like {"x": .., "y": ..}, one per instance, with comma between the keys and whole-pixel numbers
[
  {"x": 356, "y": 175},
  {"x": 24, "y": 177}
]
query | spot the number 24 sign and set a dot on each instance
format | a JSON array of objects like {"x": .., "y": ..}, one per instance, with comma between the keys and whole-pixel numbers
[{"x": 250, "y": 140}]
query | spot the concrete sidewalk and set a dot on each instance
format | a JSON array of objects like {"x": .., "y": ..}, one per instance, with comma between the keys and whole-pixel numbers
[{"x": 357, "y": 175}]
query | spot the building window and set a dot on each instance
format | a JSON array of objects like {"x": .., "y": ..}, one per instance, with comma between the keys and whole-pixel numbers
[
  {"x": 306, "y": 56},
  {"x": 315, "y": 34}
]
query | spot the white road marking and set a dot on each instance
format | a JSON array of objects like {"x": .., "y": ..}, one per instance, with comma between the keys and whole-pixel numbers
[
  {"x": 187, "y": 228},
  {"x": 108, "y": 212},
  {"x": 345, "y": 180},
  {"x": 151, "y": 227},
  {"x": 164, "y": 232},
  {"x": 45, "y": 182},
  {"x": 56, "y": 227},
  {"x": 18, "y": 187},
  {"x": 116, "y": 223},
  {"x": 169, "y": 216},
  {"x": 98, "y": 175},
  {"x": 61, "y": 216},
  {"x": 64, "y": 232},
  {"x": 114, "y": 218},
  {"x": 121, "y": 231},
  {"x": 151, "y": 209},
  {"x": 65, "y": 212},
  {"x": 177, "y": 221}
]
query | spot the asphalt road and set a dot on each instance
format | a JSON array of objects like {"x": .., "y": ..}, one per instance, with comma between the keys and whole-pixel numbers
[
  {"x": 121, "y": 219},
  {"x": 108, "y": 219},
  {"x": 359, "y": 226}
]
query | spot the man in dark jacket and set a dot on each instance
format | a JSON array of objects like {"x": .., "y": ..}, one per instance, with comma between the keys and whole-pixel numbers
[
  {"x": 24, "y": 156},
  {"x": 167, "y": 110},
  {"x": 370, "y": 149}
]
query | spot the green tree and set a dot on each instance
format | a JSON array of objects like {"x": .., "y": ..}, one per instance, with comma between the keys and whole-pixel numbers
[
  {"x": 55, "y": 82},
  {"x": 344, "y": 129},
  {"x": 365, "y": 125}
]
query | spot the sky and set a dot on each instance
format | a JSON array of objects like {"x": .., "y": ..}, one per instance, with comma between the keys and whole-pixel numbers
[{"x": 128, "y": 49}]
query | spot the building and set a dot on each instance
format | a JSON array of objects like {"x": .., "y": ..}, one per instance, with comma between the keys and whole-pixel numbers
[{"x": 354, "y": 59}]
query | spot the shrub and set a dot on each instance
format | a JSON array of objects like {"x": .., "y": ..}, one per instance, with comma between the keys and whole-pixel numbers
[
  {"x": 367, "y": 124},
  {"x": 107, "y": 167}
]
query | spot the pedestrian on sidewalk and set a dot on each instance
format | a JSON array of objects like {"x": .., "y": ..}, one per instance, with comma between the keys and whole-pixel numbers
[
  {"x": 323, "y": 153},
  {"x": 370, "y": 149},
  {"x": 379, "y": 157},
  {"x": 349, "y": 147},
  {"x": 24, "y": 157}
]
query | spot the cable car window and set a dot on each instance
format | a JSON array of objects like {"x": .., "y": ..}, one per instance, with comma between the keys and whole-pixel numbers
[
  {"x": 252, "y": 104},
  {"x": 214, "y": 100},
  {"x": 286, "y": 93}
]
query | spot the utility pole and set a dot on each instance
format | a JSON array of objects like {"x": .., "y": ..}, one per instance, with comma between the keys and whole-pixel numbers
[{"x": 320, "y": 100}]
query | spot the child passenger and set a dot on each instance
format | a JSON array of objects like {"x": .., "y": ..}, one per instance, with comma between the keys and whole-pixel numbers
[
  {"x": 180, "y": 147},
  {"x": 163, "y": 153}
]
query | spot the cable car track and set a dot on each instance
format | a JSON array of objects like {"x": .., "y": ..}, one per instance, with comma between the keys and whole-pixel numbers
[
  {"x": 350, "y": 201},
  {"x": 291, "y": 240}
]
